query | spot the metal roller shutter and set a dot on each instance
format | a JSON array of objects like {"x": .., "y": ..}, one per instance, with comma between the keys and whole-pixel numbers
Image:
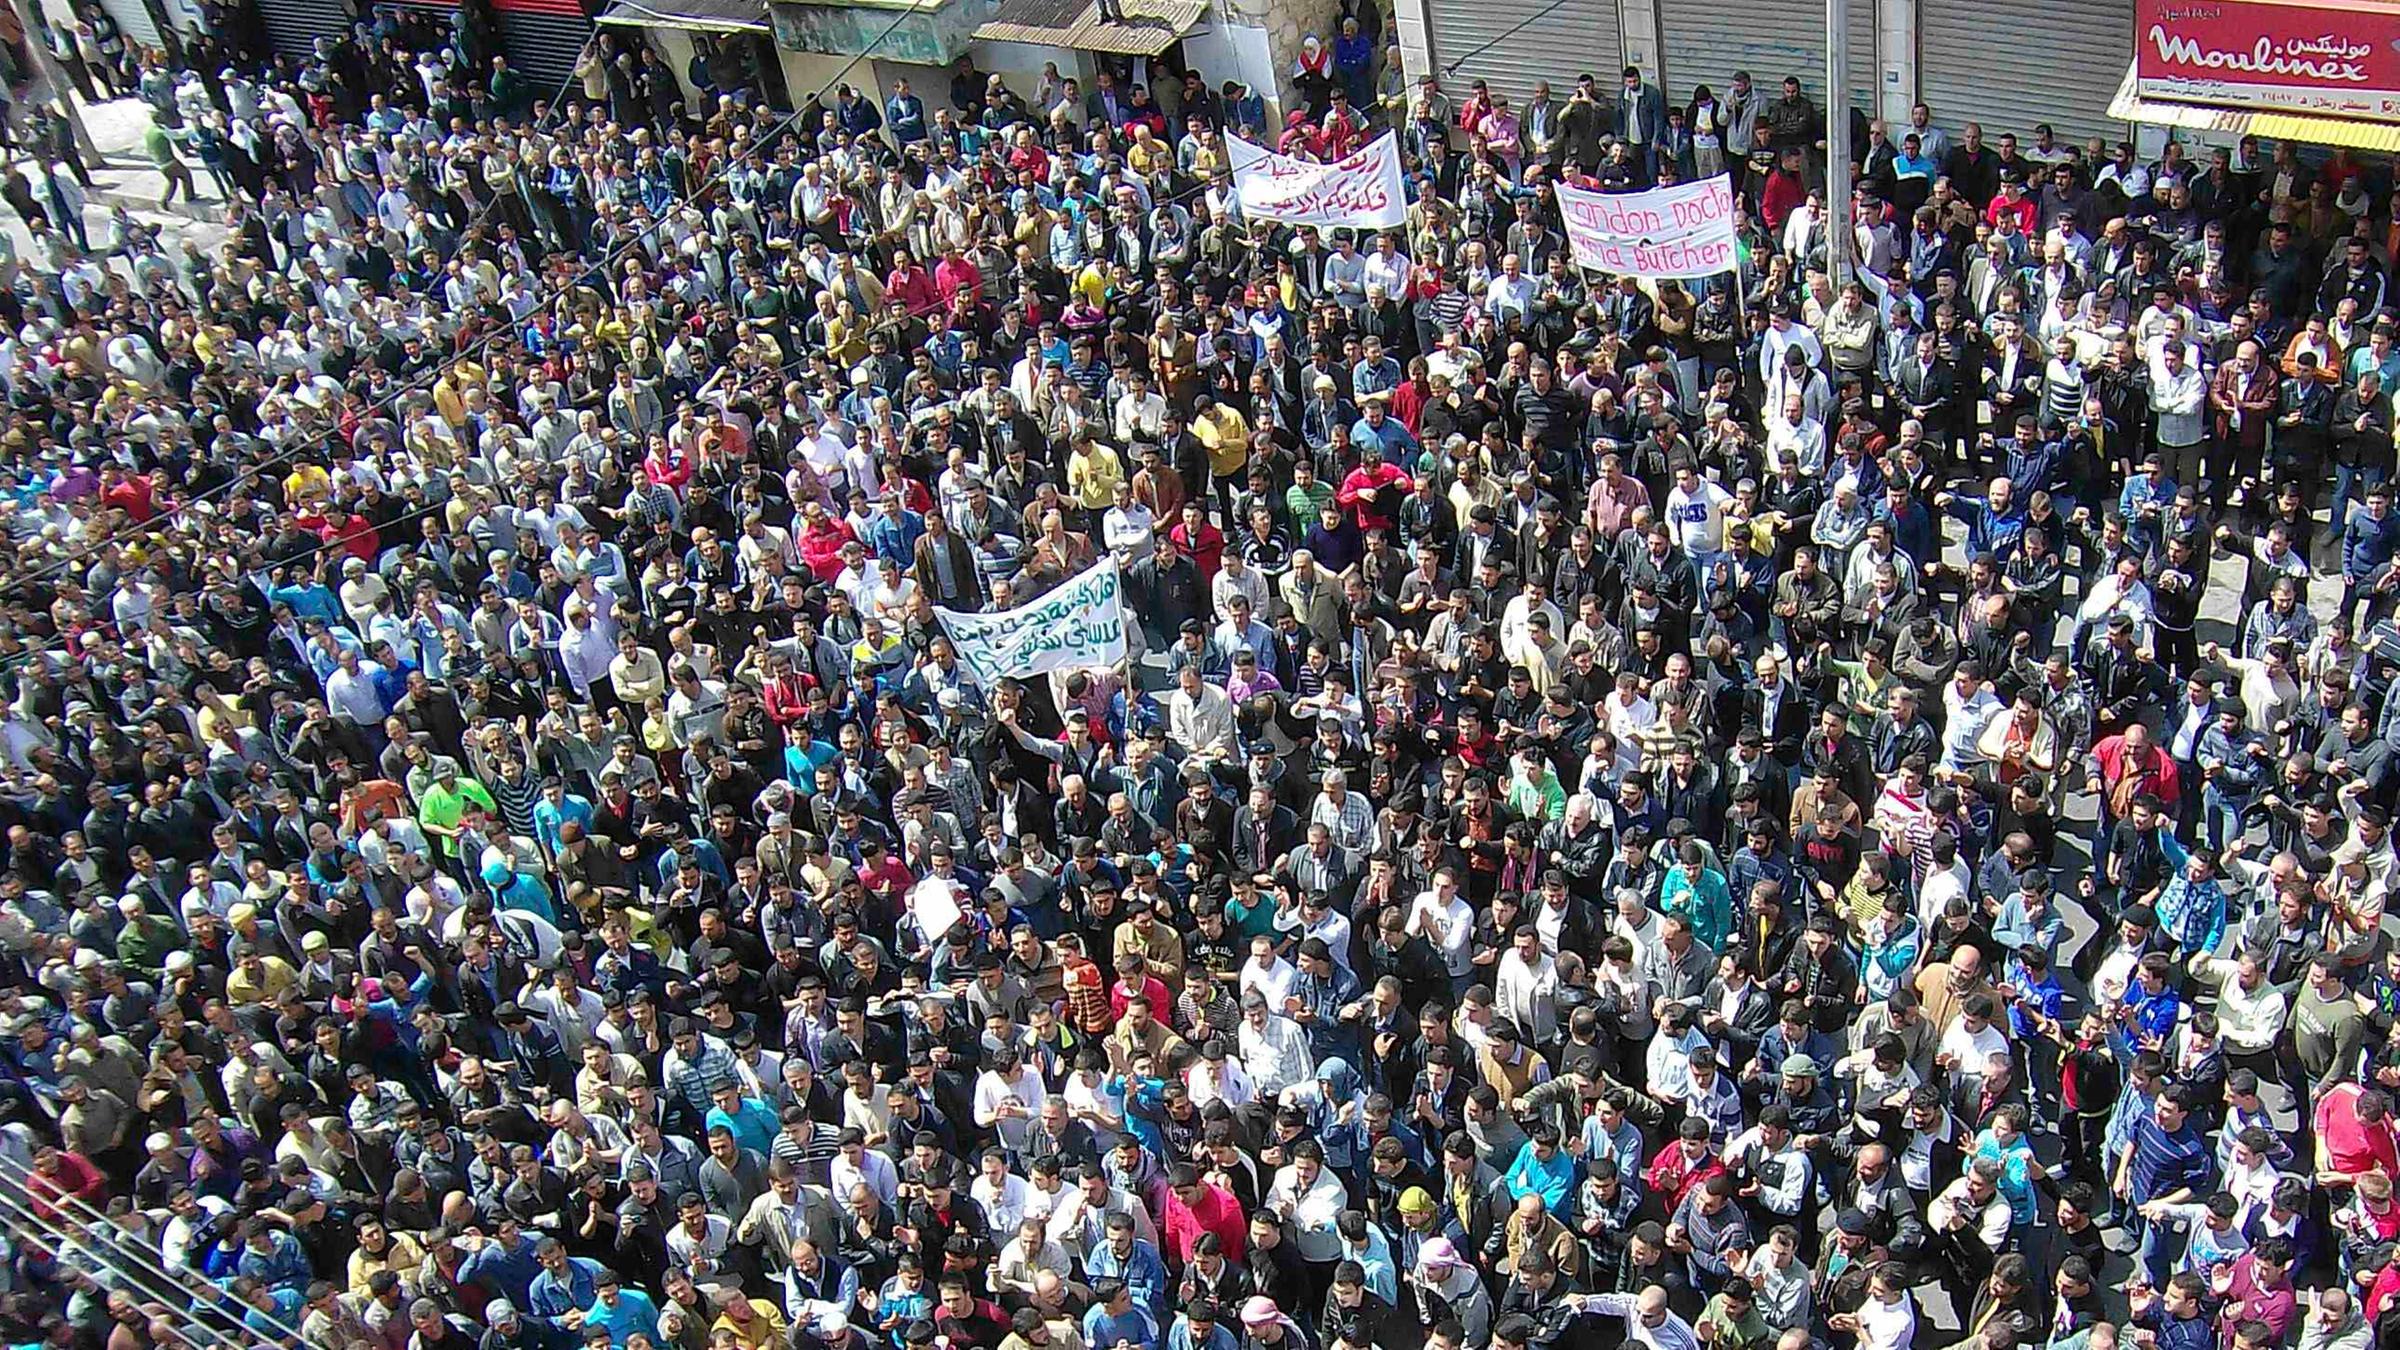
[
  {"x": 133, "y": 18},
  {"x": 1705, "y": 41},
  {"x": 294, "y": 26},
  {"x": 543, "y": 47},
  {"x": 1577, "y": 36},
  {"x": 2056, "y": 61}
]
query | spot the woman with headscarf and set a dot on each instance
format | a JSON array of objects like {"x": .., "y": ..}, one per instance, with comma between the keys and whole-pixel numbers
[
  {"x": 1312, "y": 75},
  {"x": 1331, "y": 1099}
]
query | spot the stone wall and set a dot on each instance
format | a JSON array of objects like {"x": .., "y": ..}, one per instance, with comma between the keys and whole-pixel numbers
[{"x": 1286, "y": 22}]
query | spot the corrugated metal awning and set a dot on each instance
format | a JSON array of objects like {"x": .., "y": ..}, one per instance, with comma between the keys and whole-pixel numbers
[
  {"x": 708, "y": 16},
  {"x": 2275, "y": 126},
  {"x": 1136, "y": 28}
]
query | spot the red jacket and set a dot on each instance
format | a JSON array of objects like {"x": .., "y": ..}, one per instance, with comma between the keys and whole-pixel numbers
[
  {"x": 914, "y": 285},
  {"x": 1387, "y": 483},
  {"x": 1780, "y": 197},
  {"x": 1672, "y": 1176},
  {"x": 76, "y": 1178},
  {"x": 786, "y": 698}
]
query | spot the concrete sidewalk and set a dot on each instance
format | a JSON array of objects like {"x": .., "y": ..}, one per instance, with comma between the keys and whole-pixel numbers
[{"x": 125, "y": 176}]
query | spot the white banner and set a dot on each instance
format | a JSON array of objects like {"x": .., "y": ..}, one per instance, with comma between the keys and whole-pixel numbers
[
  {"x": 1363, "y": 191},
  {"x": 1677, "y": 232},
  {"x": 1080, "y": 624}
]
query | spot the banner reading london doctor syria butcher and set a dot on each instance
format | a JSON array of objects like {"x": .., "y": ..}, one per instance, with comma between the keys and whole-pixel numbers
[
  {"x": 1679, "y": 232},
  {"x": 1082, "y": 623},
  {"x": 1364, "y": 190}
]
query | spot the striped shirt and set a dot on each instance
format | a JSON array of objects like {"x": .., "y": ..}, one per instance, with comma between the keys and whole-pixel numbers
[
  {"x": 811, "y": 1151},
  {"x": 2164, "y": 1162}
]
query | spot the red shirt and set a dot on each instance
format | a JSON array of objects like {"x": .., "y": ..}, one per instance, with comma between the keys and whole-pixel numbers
[
  {"x": 131, "y": 495},
  {"x": 785, "y": 697},
  {"x": 1151, "y": 988},
  {"x": 1218, "y": 1212},
  {"x": 2027, "y": 211},
  {"x": 821, "y": 546},
  {"x": 954, "y": 277},
  {"x": 888, "y": 879},
  {"x": 1031, "y": 158},
  {"x": 1087, "y": 1001},
  {"x": 76, "y": 1178},
  {"x": 2351, "y": 1146},
  {"x": 2114, "y": 764},
  {"x": 354, "y": 534},
  {"x": 1780, "y": 197},
  {"x": 1341, "y": 136},
  {"x": 914, "y": 286}
]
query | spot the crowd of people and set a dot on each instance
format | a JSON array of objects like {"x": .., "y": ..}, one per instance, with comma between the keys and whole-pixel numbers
[{"x": 1706, "y": 816}]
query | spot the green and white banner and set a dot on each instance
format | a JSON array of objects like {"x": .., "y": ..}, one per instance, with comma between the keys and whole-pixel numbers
[{"x": 1080, "y": 624}]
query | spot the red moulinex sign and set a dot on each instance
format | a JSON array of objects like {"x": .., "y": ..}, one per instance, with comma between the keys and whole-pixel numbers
[{"x": 2326, "y": 60}]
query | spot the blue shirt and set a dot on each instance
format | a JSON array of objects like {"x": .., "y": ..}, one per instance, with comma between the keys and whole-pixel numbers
[
  {"x": 283, "y": 1266},
  {"x": 527, "y": 894},
  {"x": 1179, "y": 1337},
  {"x": 634, "y": 1312},
  {"x": 2193, "y": 913},
  {"x": 550, "y": 1297},
  {"x": 511, "y": 1271},
  {"x": 1391, "y": 441},
  {"x": 1142, "y": 1270},
  {"x": 1989, "y": 530},
  {"x": 1554, "y": 1180},
  {"x": 2045, "y": 997},
  {"x": 2154, "y": 1015},
  {"x": 754, "y": 1125},
  {"x": 1134, "y": 1325},
  {"x": 269, "y": 1324},
  {"x": 1329, "y": 1037},
  {"x": 547, "y": 818},
  {"x": 2140, "y": 492},
  {"x": 896, "y": 540},
  {"x": 2368, "y": 543}
]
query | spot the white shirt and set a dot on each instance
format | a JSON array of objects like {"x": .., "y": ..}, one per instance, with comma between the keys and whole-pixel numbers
[
  {"x": 992, "y": 1092},
  {"x": 873, "y": 1169},
  {"x": 1698, "y": 518},
  {"x": 1273, "y": 981},
  {"x": 1449, "y": 927},
  {"x": 1529, "y": 994},
  {"x": 1968, "y": 1050},
  {"x": 1004, "y": 1205},
  {"x": 1888, "y": 1326},
  {"x": 1310, "y": 1210},
  {"x": 1275, "y": 1056},
  {"x": 1673, "y": 1333},
  {"x": 354, "y": 696}
]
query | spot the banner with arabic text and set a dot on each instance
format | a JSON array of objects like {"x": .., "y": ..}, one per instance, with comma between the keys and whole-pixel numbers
[
  {"x": 1080, "y": 624},
  {"x": 1364, "y": 190}
]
